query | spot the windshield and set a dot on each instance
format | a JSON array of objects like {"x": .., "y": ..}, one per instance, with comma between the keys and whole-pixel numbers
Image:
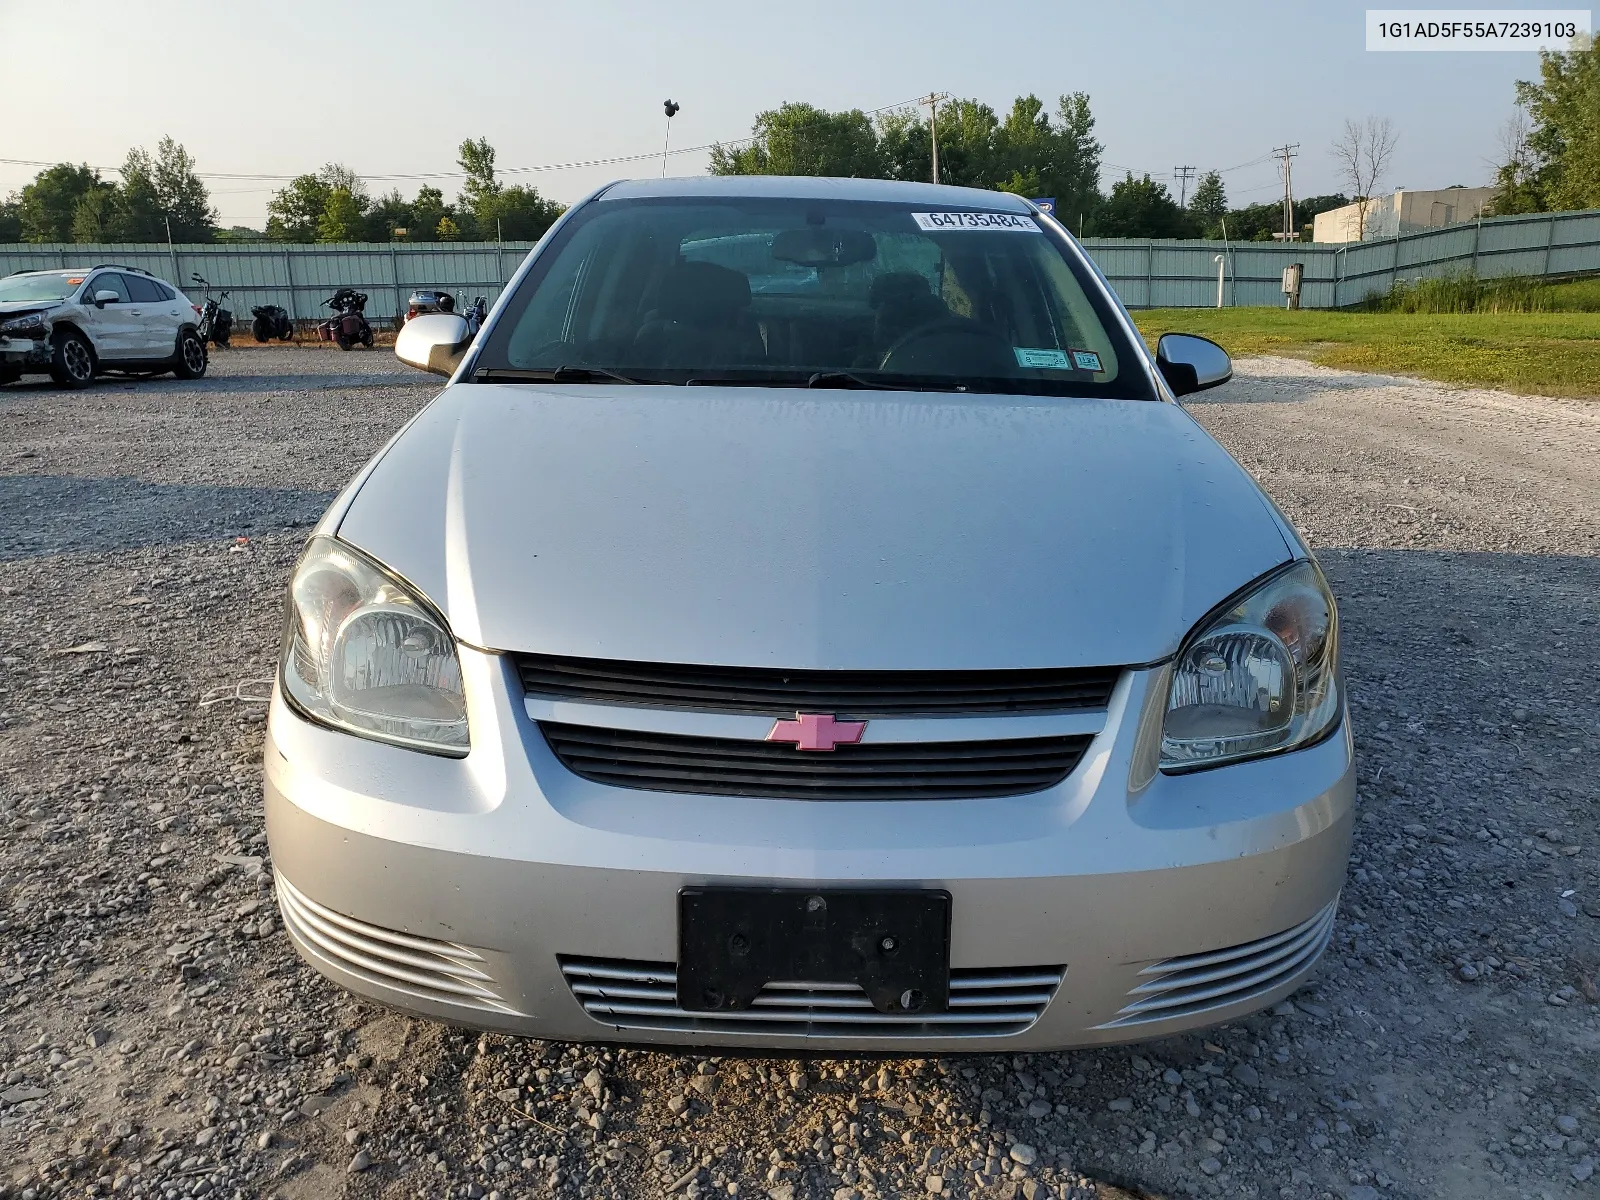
[
  {"x": 813, "y": 292},
  {"x": 38, "y": 287}
]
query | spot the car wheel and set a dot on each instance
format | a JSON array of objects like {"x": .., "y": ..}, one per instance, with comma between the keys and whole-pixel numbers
[
  {"x": 190, "y": 361},
  {"x": 260, "y": 330},
  {"x": 72, "y": 361}
]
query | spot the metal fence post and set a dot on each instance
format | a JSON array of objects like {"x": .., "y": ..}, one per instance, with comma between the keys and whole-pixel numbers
[
  {"x": 1477, "y": 233},
  {"x": 288, "y": 276},
  {"x": 1549, "y": 241},
  {"x": 1150, "y": 275},
  {"x": 394, "y": 274}
]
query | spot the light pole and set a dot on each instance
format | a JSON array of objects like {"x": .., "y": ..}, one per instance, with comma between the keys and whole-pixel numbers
[{"x": 671, "y": 108}]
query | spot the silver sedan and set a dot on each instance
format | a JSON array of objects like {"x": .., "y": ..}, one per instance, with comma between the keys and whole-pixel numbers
[{"x": 807, "y": 620}]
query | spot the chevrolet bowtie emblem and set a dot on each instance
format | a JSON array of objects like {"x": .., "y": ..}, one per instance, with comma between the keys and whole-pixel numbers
[{"x": 817, "y": 731}]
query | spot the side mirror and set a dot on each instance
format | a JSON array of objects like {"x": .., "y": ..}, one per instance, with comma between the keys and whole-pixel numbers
[
  {"x": 433, "y": 342},
  {"x": 1192, "y": 364},
  {"x": 104, "y": 297}
]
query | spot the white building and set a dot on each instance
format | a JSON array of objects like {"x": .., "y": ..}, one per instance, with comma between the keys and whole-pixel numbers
[{"x": 1403, "y": 212}]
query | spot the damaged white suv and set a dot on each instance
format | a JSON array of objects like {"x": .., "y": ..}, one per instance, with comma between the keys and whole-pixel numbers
[{"x": 74, "y": 324}]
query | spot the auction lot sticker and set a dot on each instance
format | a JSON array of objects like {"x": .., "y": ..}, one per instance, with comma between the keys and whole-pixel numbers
[
  {"x": 1478, "y": 28},
  {"x": 939, "y": 222}
]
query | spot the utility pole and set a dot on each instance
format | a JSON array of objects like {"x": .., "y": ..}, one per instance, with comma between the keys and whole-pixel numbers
[
  {"x": 1183, "y": 175},
  {"x": 671, "y": 108},
  {"x": 933, "y": 100},
  {"x": 1287, "y": 153}
]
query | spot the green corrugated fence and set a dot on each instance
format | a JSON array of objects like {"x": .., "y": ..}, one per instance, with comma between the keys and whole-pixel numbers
[{"x": 1145, "y": 273}]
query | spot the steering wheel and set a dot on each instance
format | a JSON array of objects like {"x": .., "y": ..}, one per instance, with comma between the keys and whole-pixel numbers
[{"x": 956, "y": 340}]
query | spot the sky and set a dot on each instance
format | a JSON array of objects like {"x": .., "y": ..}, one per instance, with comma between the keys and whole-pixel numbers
[{"x": 393, "y": 88}]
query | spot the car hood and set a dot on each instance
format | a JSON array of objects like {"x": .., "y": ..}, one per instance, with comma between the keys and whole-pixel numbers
[
  {"x": 20, "y": 308},
  {"x": 814, "y": 529}
]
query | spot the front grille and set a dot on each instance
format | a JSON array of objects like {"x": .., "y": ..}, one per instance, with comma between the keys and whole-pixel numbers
[
  {"x": 667, "y": 762},
  {"x": 641, "y": 995},
  {"x": 1197, "y": 983},
  {"x": 774, "y": 691},
  {"x": 442, "y": 972}
]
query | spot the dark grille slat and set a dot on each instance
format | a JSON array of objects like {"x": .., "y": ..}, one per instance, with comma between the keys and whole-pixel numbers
[
  {"x": 775, "y": 691},
  {"x": 731, "y": 767}
]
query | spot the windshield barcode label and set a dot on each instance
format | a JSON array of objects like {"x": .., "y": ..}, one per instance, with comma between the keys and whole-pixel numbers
[{"x": 940, "y": 221}]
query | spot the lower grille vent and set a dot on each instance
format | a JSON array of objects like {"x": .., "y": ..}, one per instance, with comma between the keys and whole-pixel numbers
[
  {"x": 642, "y": 995},
  {"x": 1198, "y": 983},
  {"x": 440, "y": 972},
  {"x": 663, "y": 762}
]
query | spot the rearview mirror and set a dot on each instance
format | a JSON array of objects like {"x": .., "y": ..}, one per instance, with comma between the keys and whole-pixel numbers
[
  {"x": 433, "y": 342},
  {"x": 815, "y": 246},
  {"x": 1192, "y": 364},
  {"x": 104, "y": 297}
]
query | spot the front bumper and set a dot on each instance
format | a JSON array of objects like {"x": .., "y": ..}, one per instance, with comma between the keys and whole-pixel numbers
[
  {"x": 501, "y": 891},
  {"x": 27, "y": 352}
]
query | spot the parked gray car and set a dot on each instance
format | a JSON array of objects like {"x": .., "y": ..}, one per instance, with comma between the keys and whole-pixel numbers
[{"x": 807, "y": 620}]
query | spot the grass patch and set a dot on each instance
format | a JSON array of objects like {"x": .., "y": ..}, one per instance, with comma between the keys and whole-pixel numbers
[
  {"x": 1466, "y": 293},
  {"x": 1554, "y": 353}
]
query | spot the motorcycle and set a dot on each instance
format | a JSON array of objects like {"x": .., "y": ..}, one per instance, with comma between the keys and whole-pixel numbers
[
  {"x": 429, "y": 300},
  {"x": 476, "y": 314},
  {"x": 216, "y": 322},
  {"x": 271, "y": 321},
  {"x": 348, "y": 325}
]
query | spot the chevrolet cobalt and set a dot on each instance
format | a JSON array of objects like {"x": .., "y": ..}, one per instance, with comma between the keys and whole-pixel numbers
[{"x": 807, "y": 620}]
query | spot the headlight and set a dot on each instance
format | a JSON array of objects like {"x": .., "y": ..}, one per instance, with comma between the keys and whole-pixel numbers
[
  {"x": 365, "y": 653},
  {"x": 31, "y": 325},
  {"x": 1258, "y": 677}
]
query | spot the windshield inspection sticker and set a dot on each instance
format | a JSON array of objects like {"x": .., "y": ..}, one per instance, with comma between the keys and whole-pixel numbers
[
  {"x": 941, "y": 221},
  {"x": 1086, "y": 360},
  {"x": 1052, "y": 360}
]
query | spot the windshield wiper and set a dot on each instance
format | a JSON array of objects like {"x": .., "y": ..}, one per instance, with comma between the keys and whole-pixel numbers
[{"x": 562, "y": 374}]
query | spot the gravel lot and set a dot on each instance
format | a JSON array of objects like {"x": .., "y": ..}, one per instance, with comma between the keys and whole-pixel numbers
[{"x": 159, "y": 1038}]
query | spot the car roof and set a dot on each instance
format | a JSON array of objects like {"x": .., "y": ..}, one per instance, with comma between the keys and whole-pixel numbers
[
  {"x": 86, "y": 270},
  {"x": 804, "y": 187}
]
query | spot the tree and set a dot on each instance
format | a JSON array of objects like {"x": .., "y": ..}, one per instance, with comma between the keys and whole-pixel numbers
[
  {"x": 10, "y": 220},
  {"x": 342, "y": 218},
  {"x": 448, "y": 230},
  {"x": 94, "y": 216},
  {"x": 1208, "y": 205},
  {"x": 801, "y": 139},
  {"x": 46, "y": 207},
  {"x": 184, "y": 202},
  {"x": 428, "y": 211},
  {"x": 518, "y": 214},
  {"x": 476, "y": 158},
  {"x": 1074, "y": 178},
  {"x": 294, "y": 210},
  {"x": 294, "y": 214},
  {"x": 388, "y": 213},
  {"x": 1563, "y": 145},
  {"x": 1140, "y": 208},
  {"x": 1362, "y": 153},
  {"x": 1518, "y": 186}
]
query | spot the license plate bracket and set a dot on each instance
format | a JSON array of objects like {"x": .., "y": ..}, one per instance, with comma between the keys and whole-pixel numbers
[{"x": 732, "y": 942}]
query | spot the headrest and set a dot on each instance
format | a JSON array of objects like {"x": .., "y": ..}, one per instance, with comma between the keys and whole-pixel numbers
[
  {"x": 898, "y": 286},
  {"x": 702, "y": 287}
]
